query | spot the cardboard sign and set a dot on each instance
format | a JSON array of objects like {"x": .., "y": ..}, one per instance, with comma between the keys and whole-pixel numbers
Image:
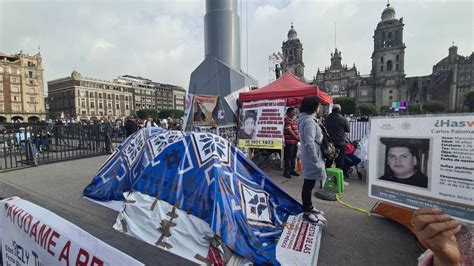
[
  {"x": 31, "y": 235},
  {"x": 424, "y": 162},
  {"x": 261, "y": 124}
]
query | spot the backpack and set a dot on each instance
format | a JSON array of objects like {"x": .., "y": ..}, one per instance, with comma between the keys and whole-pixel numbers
[{"x": 328, "y": 149}]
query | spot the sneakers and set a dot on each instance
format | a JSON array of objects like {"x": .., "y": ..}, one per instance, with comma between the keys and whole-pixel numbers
[
  {"x": 287, "y": 175},
  {"x": 294, "y": 173},
  {"x": 316, "y": 211},
  {"x": 317, "y": 219}
]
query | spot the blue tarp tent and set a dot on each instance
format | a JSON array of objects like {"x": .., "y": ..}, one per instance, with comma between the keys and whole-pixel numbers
[{"x": 207, "y": 177}]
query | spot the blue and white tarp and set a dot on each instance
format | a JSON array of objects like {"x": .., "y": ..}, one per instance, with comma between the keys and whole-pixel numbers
[{"x": 205, "y": 176}]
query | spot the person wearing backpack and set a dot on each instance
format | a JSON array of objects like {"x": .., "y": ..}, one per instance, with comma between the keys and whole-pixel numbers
[
  {"x": 312, "y": 159},
  {"x": 337, "y": 126}
]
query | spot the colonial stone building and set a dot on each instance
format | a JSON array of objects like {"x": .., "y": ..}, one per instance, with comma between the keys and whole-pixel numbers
[
  {"x": 21, "y": 88},
  {"x": 450, "y": 80},
  {"x": 84, "y": 98},
  {"x": 292, "y": 50}
]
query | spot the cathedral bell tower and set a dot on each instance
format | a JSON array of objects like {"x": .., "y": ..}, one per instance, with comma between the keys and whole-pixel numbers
[
  {"x": 388, "y": 59},
  {"x": 293, "y": 54}
]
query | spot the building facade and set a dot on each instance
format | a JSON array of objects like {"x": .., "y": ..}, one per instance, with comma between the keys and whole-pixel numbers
[
  {"x": 451, "y": 79},
  {"x": 85, "y": 98},
  {"x": 292, "y": 50},
  {"x": 21, "y": 88}
]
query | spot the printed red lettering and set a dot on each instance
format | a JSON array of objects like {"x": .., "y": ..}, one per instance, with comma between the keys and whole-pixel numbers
[
  {"x": 33, "y": 230},
  {"x": 65, "y": 252},
  {"x": 82, "y": 258},
  {"x": 51, "y": 242},
  {"x": 43, "y": 236},
  {"x": 96, "y": 261},
  {"x": 28, "y": 220}
]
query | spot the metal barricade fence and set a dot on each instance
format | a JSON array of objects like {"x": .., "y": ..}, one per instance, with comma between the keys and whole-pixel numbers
[
  {"x": 29, "y": 145},
  {"x": 358, "y": 130}
]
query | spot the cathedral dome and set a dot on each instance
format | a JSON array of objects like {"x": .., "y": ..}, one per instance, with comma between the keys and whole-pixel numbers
[
  {"x": 388, "y": 13},
  {"x": 292, "y": 35}
]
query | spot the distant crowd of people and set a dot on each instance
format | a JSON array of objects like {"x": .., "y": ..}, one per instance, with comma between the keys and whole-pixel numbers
[{"x": 132, "y": 124}]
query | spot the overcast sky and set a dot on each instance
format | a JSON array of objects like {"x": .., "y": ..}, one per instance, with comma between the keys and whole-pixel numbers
[{"x": 163, "y": 39}]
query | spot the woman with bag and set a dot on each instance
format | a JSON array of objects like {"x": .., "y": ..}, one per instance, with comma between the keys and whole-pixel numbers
[{"x": 312, "y": 159}]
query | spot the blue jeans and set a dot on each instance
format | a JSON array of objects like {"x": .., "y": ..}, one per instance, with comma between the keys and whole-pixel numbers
[{"x": 349, "y": 161}]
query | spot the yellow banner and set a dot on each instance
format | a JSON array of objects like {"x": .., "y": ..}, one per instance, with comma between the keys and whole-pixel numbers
[{"x": 261, "y": 143}]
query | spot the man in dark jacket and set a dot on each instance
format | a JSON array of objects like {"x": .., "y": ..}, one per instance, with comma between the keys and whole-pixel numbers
[
  {"x": 130, "y": 126},
  {"x": 337, "y": 127}
]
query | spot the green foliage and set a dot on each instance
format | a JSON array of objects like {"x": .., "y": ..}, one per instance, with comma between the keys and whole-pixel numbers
[
  {"x": 142, "y": 114},
  {"x": 384, "y": 109},
  {"x": 348, "y": 105},
  {"x": 469, "y": 100},
  {"x": 367, "y": 109},
  {"x": 434, "y": 107},
  {"x": 414, "y": 109},
  {"x": 175, "y": 114}
]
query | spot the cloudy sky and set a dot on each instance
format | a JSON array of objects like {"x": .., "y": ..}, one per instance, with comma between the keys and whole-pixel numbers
[{"x": 163, "y": 39}]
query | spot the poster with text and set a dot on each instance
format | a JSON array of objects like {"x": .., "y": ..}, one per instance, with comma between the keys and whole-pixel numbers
[
  {"x": 229, "y": 132},
  {"x": 203, "y": 109},
  {"x": 187, "y": 109},
  {"x": 261, "y": 124},
  {"x": 424, "y": 162},
  {"x": 34, "y": 236}
]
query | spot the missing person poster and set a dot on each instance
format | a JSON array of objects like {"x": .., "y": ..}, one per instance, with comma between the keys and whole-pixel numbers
[
  {"x": 424, "y": 162},
  {"x": 203, "y": 109},
  {"x": 261, "y": 124},
  {"x": 229, "y": 132}
]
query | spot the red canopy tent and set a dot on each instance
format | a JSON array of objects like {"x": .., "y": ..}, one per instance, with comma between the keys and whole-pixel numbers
[{"x": 286, "y": 87}]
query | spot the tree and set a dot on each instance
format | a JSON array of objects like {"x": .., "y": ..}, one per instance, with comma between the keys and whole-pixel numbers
[
  {"x": 414, "y": 109},
  {"x": 469, "y": 100},
  {"x": 348, "y": 105},
  {"x": 384, "y": 109},
  {"x": 434, "y": 107},
  {"x": 367, "y": 109},
  {"x": 175, "y": 114},
  {"x": 142, "y": 114}
]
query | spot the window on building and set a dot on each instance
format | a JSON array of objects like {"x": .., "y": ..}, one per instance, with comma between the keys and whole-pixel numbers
[
  {"x": 100, "y": 105},
  {"x": 91, "y": 94},
  {"x": 389, "y": 65},
  {"x": 83, "y": 104},
  {"x": 397, "y": 58},
  {"x": 390, "y": 35},
  {"x": 83, "y": 112},
  {"x": 92, "y": 104},
  {"x": 101, "y": 113},
  {"x": 116, "y": 97},
  {"x": 126, "y": 106},
  {"x": 108, "y": 96},
  {"x": 30, "y": 74},
  {"x": 100, "y": 95},
  {"x": 390, "y": 91},
  {"x": 381, "y": 68},
  {"x": 381, "y": 59},
  {"x": 117, "y": 106},
  {"x": 109, "y": 105},
  {"x": 32, "y": 99},
  {"x": 390, "y": 97}
]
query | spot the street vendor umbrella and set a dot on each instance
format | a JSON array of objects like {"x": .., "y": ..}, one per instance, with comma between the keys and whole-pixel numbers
[
  {"x": 204, "y": 176},
  {"x": 288, "y": 87}
]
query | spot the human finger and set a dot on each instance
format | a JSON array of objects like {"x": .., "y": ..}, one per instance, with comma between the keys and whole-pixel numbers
[
  {"x": 430, "y": 210},
  {"x": 420, "y": 221},
  {"x": 451, "y": 232},
  {"x": 433, "y": 229}
]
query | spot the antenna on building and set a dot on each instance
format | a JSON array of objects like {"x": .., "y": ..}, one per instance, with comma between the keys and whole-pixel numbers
[
  {"x": 388, "y": 3},
  {"x": 335, "y": 34}
]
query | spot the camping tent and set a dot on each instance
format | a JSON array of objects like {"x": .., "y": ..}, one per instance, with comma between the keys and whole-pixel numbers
[
  {"x": 287, "y": 87},
  {"x": 178, "y": 188}
]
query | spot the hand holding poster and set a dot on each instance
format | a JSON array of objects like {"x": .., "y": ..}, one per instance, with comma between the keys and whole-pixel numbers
[
  {"x": 261, "y": 124},
  {"x": 32, "y": 235},
  {"x": 424, "y": 162}
]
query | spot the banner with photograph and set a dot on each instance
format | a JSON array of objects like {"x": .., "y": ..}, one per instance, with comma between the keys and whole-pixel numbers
[
  {"x": 32, "y": 235},
  {"x": 261, "y": 124},
  {"x": 424, "y": 162},
  {"x": 203, "y": 108}
]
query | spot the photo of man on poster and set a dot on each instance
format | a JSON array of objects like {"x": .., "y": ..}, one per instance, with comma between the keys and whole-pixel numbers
[
  {"x": 248, "y": 124},
  {"x": 404, "y": 163}
]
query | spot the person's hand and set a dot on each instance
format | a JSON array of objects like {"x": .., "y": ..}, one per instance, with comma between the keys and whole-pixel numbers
[{"x": 437, "y": 232}]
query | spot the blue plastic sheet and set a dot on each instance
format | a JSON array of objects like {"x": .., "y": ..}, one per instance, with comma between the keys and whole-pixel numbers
[{"x": 205, "y": 176}]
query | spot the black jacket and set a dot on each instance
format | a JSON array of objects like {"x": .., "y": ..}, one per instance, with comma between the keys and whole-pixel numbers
[
  {"x": 337, "y": 127},
  {"x": 130, "y": 127}
]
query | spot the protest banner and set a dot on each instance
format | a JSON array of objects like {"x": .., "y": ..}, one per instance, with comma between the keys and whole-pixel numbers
[
  {"x": 203, "y": 109},
  {"x": 229, "y": 132},
  {"x": 187, "y": 108},
  {"x": 32, "y": 235},
  {"x": 261, "y": 124},
  {"x": 423, "y": 162}
]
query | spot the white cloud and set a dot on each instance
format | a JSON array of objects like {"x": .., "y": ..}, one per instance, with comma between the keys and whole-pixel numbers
[{"x": 163, "y": 40}]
